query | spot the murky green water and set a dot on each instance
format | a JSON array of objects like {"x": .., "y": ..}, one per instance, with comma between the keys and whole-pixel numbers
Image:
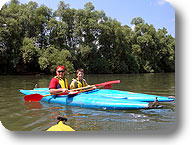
[{"x": 18, "y": 115}]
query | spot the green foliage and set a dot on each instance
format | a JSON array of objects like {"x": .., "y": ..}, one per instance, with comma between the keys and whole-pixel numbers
[
  {"x": 33, "y": 38},
  {"x": 137, "y": 21},
  {"x": 52, "y": 57},
  {"x": 29, "y": 51}
]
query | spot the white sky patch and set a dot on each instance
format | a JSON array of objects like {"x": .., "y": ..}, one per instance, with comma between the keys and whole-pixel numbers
[
  {"x": 161, "y": 2},
  {"x": 133, "y": 27},
  {"x": 2, "y": 2}
]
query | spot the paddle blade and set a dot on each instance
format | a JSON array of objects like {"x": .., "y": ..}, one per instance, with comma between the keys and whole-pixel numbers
[
  {"x": 107, "y": 86},
  {"x": 33, "y": 97}
]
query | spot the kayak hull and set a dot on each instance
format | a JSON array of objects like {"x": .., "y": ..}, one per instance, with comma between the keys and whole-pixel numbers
[
  {"x": 96, "y": 101},
  {"x": 88, "y": 100}
]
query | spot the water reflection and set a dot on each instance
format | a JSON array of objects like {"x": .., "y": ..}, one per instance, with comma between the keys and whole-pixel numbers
[{"x": 33, "y": 105}]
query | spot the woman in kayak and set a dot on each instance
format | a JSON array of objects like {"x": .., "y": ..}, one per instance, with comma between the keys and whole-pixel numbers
[
  {"x": 79, "y": 82},
  {"x": 59, "y": 83}
]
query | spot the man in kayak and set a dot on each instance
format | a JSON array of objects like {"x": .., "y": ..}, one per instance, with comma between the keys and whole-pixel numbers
[
  {"x": 79, "y": 82},
  {"x": 59, "y": 83}
]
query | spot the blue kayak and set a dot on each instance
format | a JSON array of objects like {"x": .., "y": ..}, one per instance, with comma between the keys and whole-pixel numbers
[
  {"x": 100, "y": 99},
  {"x": 87, "y": 100}
]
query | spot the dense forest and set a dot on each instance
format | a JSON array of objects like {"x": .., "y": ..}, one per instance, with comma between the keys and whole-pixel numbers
[{"x": 35, "y": 39}]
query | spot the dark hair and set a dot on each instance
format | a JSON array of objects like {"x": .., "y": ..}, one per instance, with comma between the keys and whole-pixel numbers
[{"x": 79, "y": 70}]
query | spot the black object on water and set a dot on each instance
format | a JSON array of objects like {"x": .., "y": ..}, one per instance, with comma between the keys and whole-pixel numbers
[{"x": 59, "y": 118}]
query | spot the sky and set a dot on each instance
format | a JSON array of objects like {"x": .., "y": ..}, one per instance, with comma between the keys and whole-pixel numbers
[{"x": 159, "y": 13}]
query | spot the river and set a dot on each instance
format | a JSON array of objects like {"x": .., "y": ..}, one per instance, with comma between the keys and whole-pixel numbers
[{"x": 18, "y": 115}]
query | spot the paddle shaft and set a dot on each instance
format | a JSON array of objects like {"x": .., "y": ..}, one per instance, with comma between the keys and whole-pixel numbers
[
  {"x": 90, "y": 89},
  {"x": 101, "y": 84},
  {"x": 82, "y": 88}
]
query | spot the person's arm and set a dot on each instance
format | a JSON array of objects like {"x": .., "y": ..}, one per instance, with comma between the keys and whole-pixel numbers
[
  {"x": 93, "y": 86},
  {"x": 53, "y": 90},
  {"x": 58, "y": 91}
]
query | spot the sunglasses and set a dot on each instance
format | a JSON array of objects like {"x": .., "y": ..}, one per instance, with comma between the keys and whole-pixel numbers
[{"x": 60, "y": 71}]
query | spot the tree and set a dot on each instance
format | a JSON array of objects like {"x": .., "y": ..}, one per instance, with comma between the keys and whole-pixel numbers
[
  {"x": 52, "y": 57},
  {"x": 137, "y": 21},
  {"x": 30, "y": 52}
]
